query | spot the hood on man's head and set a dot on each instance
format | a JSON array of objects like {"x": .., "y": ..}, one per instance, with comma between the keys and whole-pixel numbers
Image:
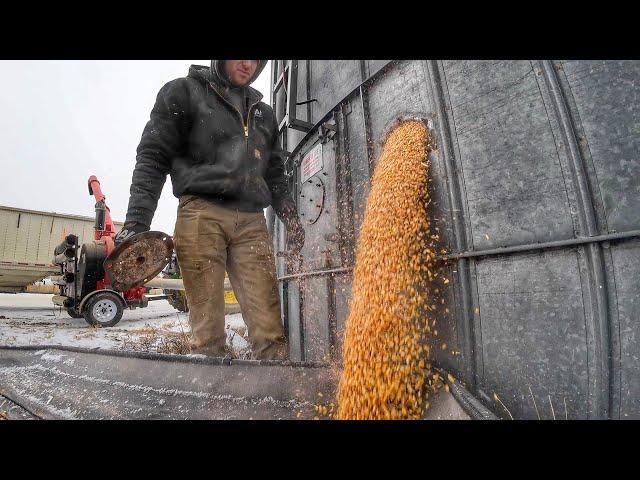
[{"x": 218, "y": 71}]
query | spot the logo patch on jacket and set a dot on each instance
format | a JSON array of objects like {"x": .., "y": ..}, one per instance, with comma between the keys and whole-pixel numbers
[
  {"x": 258, "y": 113},
  {"x": 258, "y": 154}
]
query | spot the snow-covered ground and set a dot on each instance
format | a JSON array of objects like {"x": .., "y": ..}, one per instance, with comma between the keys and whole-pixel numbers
[{"x": 32, "y": 319}]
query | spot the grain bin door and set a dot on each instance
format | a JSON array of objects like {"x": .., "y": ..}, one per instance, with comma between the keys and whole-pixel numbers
[{"x": 317, "y": 208}]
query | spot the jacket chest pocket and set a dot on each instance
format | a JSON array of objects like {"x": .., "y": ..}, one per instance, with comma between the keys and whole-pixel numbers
[{"x": 262, "y": 134}]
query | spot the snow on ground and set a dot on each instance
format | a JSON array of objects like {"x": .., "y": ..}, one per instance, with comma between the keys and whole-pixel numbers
[{"x": 33, "y": 319}]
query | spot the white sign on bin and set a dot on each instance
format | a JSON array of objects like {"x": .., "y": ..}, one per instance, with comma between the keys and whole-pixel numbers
[{"x": 311, "y": 163}]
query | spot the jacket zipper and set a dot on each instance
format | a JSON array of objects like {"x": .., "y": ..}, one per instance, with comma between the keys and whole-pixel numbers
[{"x": 245, "y": 125}]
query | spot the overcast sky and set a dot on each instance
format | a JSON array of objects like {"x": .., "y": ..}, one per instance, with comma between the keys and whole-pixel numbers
[{"x": 62, "y": 121}]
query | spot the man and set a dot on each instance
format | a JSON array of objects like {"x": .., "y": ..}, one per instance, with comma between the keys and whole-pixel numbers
[{"x": 219, "y": 143}]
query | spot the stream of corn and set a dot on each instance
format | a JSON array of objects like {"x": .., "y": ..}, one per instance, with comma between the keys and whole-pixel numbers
[{"x": 385, "y": 351}]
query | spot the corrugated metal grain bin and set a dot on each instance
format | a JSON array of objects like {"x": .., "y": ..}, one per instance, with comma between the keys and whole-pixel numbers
[
  {"x": 27, "y": 241},
  {"x": 536, "y": 189}
]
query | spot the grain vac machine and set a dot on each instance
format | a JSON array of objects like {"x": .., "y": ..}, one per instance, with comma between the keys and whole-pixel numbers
[
  {"x": 535, "y": 188},
  {"x": 98, "y": 280}
]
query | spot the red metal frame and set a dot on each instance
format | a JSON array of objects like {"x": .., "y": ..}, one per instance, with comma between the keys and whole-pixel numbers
[
  {"x": 107, "y": 235},
  {"x": 110, "y": 229}
]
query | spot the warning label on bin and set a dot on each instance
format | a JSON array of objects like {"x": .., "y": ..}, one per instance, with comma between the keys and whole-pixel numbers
[{"x": 311, "y": 163}]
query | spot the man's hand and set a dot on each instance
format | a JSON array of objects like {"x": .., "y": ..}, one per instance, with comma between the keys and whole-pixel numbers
[{"x": 129, "y": 230}]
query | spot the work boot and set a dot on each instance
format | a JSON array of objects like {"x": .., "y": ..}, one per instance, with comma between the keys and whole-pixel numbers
[{"x": 271, "y": 351}]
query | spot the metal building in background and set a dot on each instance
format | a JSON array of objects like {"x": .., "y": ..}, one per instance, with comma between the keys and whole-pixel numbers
[
  {"x": 27, "y": 241},
  {"x": 536, "y": 191}
]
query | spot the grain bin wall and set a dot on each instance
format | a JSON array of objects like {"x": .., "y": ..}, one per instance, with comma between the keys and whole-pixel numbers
[{"x": 536, "y": 191}]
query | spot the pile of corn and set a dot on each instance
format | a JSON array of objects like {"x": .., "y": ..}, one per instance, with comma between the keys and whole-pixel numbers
[{"x": 385, "y": 353}]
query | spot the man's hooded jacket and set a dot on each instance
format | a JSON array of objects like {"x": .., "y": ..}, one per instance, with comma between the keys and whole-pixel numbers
[{"x": 216, "y": 141}]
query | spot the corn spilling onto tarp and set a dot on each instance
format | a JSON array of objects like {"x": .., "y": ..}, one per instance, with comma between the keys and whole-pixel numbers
[{"x": 385, "y": 355}]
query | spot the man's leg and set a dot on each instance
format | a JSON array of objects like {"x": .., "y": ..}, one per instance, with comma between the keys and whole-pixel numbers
[
  {"x": 251, "y": 268},
  {"x": 201, "y": 247}
]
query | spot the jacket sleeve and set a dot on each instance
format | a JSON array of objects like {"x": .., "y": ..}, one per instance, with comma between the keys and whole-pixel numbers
[
  {"x": 282, "y": 203},
  {"x": 162, "y": 138}
]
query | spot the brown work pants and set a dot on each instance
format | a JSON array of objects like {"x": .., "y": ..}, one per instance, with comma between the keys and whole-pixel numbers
[{"x": 210, "y": 239}]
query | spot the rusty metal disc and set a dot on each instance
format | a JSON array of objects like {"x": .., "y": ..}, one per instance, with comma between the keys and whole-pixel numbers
[{"x": 138, "y": 259}]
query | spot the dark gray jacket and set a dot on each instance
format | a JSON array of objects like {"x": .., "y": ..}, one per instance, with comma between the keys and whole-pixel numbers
[{"x": 201, "y": 139}]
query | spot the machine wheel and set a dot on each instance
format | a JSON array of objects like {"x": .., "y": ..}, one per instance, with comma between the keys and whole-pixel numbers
[
  {"x": 74, "y": 314},
  {"x": 177, "y": 299},
  {"x": 103, "y": 309}
]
